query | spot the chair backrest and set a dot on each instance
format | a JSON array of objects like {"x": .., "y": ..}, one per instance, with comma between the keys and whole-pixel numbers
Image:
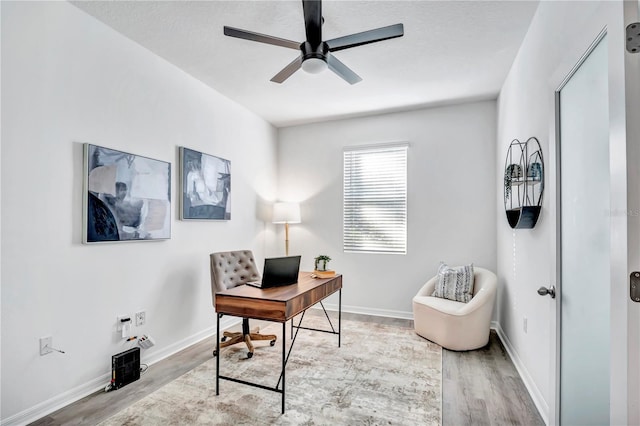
[
  {"x": 483, "y": 279},
  {"x": 230, "y": 269}
]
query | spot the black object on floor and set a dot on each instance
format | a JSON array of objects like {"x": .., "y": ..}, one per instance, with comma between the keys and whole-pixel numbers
[{"x": 125, "y": 368}]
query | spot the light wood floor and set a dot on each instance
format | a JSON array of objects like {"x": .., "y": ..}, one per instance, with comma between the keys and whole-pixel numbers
[{"x": 478, "y": 387}]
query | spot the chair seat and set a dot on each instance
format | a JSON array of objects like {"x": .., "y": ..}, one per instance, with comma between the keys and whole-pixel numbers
[{"x": 445, "y": 306}]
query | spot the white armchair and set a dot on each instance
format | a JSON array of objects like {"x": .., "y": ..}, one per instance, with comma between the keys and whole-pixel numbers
[{"x": 455, "y": 325}]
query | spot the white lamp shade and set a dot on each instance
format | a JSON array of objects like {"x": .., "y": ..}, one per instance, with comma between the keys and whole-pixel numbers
[{"x": 286, "y": 213}]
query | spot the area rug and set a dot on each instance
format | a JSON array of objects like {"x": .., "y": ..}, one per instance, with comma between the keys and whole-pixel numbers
[{"x": 382, "y": 375}]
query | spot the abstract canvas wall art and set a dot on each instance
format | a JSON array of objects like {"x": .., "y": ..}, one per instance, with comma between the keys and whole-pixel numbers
[
  {"x": 206, "y": 186},
  {"x": 127, "y": 197}
]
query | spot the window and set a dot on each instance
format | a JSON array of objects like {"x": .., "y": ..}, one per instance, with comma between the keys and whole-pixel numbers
[{"x": 375, "y": 199}]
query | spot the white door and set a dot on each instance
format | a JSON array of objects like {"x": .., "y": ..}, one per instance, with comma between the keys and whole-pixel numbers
[
  {"x": 632, "y": 72},
  {"x": 584, "y": 242}
]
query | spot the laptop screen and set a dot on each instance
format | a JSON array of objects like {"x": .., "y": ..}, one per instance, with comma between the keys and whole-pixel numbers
[{"x": 280, "y": 271}]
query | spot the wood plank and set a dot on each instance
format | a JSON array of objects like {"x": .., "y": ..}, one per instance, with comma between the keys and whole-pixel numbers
[
  {"x": 313, "y": 295},
  {"x": 276, "y": 303},
  {"x": 482, "y": 387},
  {"x": 251, "y": 308},
  {"x": 486, "y": 374}
]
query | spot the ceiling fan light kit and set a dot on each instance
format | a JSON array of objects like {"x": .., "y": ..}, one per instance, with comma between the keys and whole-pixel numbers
[
  {"x": 314, "y": 65},
  {"x": 315, "y": 54}
]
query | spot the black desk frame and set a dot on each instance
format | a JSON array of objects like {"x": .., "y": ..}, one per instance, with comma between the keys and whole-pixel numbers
[{"x": 285, "y": 354}]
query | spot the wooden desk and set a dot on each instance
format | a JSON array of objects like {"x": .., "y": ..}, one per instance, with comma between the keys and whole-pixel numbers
[{"x": 278, "y": 304}]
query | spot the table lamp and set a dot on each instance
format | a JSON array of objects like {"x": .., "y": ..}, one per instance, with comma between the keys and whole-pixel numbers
[{"x": 286, "y": 213}]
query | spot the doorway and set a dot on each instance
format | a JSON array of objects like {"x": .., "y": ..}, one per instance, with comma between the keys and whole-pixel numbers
[{"x": 584, "y": 256}]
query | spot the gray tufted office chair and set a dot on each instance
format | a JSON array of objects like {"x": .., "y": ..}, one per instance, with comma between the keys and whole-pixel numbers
[{"x": 230, "y": 269}]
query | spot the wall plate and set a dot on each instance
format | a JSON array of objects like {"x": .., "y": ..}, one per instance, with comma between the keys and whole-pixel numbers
[
  {"x": 45, "y": 345},
  {"x": 141, "y": 318}
]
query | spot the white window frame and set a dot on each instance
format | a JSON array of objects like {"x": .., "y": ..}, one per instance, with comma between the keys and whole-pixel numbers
[{"x": 382, "y": 170}]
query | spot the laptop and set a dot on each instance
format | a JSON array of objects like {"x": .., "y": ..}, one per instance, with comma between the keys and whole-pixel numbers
[{"x": 278, "y": 271}]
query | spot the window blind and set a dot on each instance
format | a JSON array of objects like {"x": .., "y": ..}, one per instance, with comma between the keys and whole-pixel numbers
[{"x": 375, "y": 199}]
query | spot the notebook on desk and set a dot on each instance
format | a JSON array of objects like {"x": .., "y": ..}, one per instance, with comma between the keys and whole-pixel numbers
[{"x": 278, "y": 271}]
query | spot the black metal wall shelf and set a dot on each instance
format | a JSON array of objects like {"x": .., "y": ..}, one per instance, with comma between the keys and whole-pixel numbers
[{"x": 523, "y": 183}]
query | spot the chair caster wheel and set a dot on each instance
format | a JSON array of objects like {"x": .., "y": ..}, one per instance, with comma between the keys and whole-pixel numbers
[
  {"x": 223, "y": 338},
  {"x": 249, "y": 355},
  {"x": 215, "y": 353},
  {"x": 272, "y": 343}
]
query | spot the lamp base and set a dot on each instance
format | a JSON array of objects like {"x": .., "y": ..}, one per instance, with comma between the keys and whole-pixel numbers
[{"x": 324, "y": 274}]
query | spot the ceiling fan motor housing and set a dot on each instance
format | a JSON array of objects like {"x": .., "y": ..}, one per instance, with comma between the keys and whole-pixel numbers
[{"x": 319, "y": 52}]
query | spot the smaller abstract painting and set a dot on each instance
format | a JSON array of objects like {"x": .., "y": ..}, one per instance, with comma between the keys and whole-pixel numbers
[
  {"x": 206, "y": 186},
  {"x": 127, "y": 197}
]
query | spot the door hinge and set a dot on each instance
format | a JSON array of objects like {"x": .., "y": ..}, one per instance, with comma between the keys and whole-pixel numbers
[
  {"x": 633, "y": 37},
  {"x": 634, "y": 287}
]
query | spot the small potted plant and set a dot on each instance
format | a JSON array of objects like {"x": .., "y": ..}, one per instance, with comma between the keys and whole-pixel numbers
[
  {"x": 321, "y": 270},
  {"x": 321, "y": 262}
]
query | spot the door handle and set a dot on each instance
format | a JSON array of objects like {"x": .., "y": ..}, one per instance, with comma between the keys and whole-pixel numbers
[{"x": 551, "y": 291}]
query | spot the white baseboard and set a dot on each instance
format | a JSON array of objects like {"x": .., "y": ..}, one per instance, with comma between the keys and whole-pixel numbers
[
  {"x": 49, "y": 406},
  {"x": 59, "y": 401},
  {"x": 53, "y": 404},
  {"x": 534, "y": 392},
  {"x": 367, "y": 311},
  {"x": 225, "y": 323}
]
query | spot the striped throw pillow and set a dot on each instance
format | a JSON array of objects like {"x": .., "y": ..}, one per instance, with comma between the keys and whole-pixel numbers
[{"x": 455, "y": 283}]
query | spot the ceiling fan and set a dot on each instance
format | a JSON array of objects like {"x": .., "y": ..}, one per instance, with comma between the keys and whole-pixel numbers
[{"x": 316, "y": 54}]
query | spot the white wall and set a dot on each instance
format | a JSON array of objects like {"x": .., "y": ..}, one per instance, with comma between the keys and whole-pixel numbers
[
  {"x": 451, "y": 213},
  {"x": 526, "y": 258},
  {"x": 68, "y": 79}
]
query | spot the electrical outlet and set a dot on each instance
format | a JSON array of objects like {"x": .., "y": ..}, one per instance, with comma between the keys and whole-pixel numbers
[
  {"x": 45, "y": 345},
  {"x": 141, "y": 318},
  {"x": 524, "y": 324}
]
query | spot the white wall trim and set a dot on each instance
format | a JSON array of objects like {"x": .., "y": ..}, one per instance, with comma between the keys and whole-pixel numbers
[
  {"x": 225, "y": 323},
  {"x": 49, "y": 406},
  {"x": 367, "y": 311},
  {"x": 534, "y": 392},
  {"x": 62, "y": 400},
  {"x": 40, "y": 410}
]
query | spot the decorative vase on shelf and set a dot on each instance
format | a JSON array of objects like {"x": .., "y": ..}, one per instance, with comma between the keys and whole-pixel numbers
[{"x": 535, "y": 171}]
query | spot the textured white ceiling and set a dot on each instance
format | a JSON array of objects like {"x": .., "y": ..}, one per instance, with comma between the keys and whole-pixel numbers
[{"x": 451, "y": 51}]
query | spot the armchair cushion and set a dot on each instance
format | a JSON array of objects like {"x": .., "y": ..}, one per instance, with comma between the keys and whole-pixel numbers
[{"x": 454, "y": 283}]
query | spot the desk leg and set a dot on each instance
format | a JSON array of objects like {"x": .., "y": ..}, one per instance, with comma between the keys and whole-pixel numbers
[
  {"x": 218, "y": 354},
  {"x": 284, "y": 363},
  {"x": 339, "y": 316}
]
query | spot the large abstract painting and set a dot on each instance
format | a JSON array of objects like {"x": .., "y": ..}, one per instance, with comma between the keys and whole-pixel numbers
[
  {"x": 206, "y": 186},
  {"x": 127, "y": 197}
]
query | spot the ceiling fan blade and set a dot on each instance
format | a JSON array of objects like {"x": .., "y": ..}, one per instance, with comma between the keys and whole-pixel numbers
[
  {"x": 342, "y": 70},
  {"x": 366, "y": 37},
  {"x": 288, "y": 70},
  {"x": 262, "y": 38},
  {"x": 313, "y": 21}
]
